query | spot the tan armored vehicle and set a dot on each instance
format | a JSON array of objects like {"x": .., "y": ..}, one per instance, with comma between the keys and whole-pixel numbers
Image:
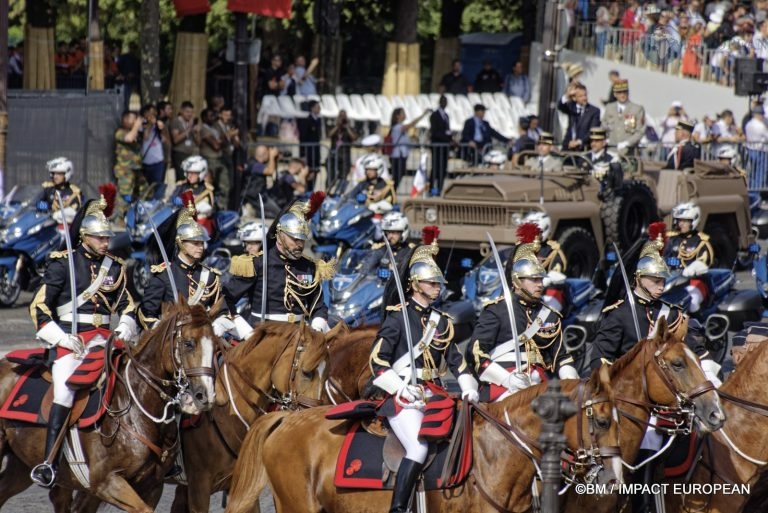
[{"x": 480, "y": 200}]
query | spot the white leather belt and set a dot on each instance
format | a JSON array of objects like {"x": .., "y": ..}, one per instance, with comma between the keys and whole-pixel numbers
[
  {"x": 93, "y": 319},
  {"x": 290, "y": 317},
  {"x": 422, "y": 374}
]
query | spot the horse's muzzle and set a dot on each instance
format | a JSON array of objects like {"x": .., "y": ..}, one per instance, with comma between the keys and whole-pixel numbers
[{"x": 710, "y": 417}]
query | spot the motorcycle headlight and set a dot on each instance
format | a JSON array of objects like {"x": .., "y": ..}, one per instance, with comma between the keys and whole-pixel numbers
[
  {"x": 355, "y": 219},
  {"x": 431, "y": 215}
]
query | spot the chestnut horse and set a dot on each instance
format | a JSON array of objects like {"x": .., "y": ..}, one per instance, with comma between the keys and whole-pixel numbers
[
  {"x": 737, "y": 454},
  {"x": 671, "y": 379},
  {"x": 348, "y": 371},
  {"x": 277, "y": 367},
  {"x": 306, "y": 445},
  {"x": 133, "y": 445}
]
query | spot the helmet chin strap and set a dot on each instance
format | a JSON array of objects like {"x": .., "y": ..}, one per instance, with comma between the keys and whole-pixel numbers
[
  {"x": 416, "y": 286},
  {"x": 524, "y": 294},
  {"x": 642, "y": 292}
]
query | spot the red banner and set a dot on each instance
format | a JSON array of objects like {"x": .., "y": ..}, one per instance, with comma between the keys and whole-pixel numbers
[
  {"x": 191, "y": 7},
  {"x": 269, "y": 8}
]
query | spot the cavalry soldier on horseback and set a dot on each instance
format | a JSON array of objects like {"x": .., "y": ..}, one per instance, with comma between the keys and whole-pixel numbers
[
  {"x": 294, "y": 287},
  {"x": 390, "y": 362},
  {"x": 185, "y": 242},
  {"x": 101, "y": 290},
  {"x": 60, "y": 171},
  {"x": 690, "y": 250},
  {"x": 540, "y": 339}
]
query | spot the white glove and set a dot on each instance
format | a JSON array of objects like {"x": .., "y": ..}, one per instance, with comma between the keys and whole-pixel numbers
[
  {"x": 535, "y": 378},
  {"x": 389, "y": 381},
  {"x": 127, "y": 330},
  {"x": 221, "y": 325},
  {"x": 320, "y": 324},
  {"x": 555, "y": 278},
  {"x": 380, "y": 207},
  {"x": 567, "y": 372},
  {"x": 695, "y": 268},
  {"x": 203, "y": 208},
  {"x": 622, "y": 145},
  {"x": 518, "y": 381},
  {"x": 53, "y": 336},
  {"x": 711, "y": 368},
  {"x": 410, "y": 393},
  {"x": 243, "y": 330},
  {"x": 468, "y": 385}
]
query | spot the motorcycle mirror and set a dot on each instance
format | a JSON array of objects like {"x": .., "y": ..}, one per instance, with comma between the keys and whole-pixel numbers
[
  {"x": 361, "y": 197},
  {"x": 574, "y": 338},
  {"x": 466, "y": 263}
]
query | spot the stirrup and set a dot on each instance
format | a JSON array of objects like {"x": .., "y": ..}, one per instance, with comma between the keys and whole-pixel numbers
[{"x": 43, "y": 474}]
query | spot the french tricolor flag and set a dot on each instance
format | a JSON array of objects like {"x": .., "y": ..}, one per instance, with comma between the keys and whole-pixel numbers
[{"x": 420, "y": 178}]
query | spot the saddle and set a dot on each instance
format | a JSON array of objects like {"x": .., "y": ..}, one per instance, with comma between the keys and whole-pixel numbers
[
  {"x": 680, "y": 457},
  {"x": 31, "y": 398}
]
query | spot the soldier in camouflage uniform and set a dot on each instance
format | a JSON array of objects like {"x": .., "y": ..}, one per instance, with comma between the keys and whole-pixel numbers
[{"x": 130, "y": 180}]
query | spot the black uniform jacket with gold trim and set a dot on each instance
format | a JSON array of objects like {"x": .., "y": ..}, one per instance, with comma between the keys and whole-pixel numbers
[
  {"x": 111, "y": 297},
  {"x": 691, "y": 246},
  {"x": 293, "y": 286},
  {"x": 71, "y": 195},
  {"x": 616, "y": 334},
  {"x": 391, "y": 342},
  {"x": 187, "y": 279},
  {"x": 493, "y": 328},
  {"x": 375, "y": 190},
  {"x": 203, "y": 192}
]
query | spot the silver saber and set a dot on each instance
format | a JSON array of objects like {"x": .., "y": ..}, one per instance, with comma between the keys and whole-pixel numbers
[
  {"x": 70, "y": 262},
  {"x": 401, "y": 294},
  {"x": 263, "y": 262},
  {"x": 630, "y": 294},
  {"x": 508, "y": 302},
  {"x": 165, "y": 257}
]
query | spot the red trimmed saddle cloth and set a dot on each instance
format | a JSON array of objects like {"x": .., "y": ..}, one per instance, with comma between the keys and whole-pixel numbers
[{"x": 31, "y": 397}]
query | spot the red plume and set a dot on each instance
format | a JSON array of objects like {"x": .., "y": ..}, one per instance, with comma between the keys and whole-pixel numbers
[
  {"x": 527, "y": 233},
  {"x": 656, "y": 229},
  {"x": 315, "y": 200},
  {"x": 188, "y": 197},
  {"x": 109, "y": 191},
  {"x": 429, "y": 234}
]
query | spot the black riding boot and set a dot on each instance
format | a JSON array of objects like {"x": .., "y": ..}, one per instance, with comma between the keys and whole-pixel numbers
[
  {"x": 644, "y": 502},
  {"x": 45, "y": 473},
  {"x": 404, "y": 484}
]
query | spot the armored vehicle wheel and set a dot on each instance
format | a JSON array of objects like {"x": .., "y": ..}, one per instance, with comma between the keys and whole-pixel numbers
[
  {"x": 627, "y": 214},
  {"x": 581, "y": 252}
]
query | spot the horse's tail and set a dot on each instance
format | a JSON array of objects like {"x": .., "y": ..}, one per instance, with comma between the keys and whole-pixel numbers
[{"x": 250, "y": 477}]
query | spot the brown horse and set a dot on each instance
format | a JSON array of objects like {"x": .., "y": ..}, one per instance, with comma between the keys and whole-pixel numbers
[
  {"x": 659, "y": 373},
  {"x": 308, "y": 444},
  {"x": 348, "y": 371},
  {"x": 128, "y": 454},
  {"x": 737, "y": 454},
  {"x": 276, "y": 368}
]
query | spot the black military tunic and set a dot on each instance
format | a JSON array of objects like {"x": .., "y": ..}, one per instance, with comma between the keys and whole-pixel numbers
[
  {"x": 616, "y": 334},
  {"x": 375, "y": 190},
  {"x": 70, "y": 195},
  {"x": 391, "y": 343},
  {"x": 493, "y": 328},
  {"x": 552, "y": 257},
  {"x": 203, "y": 192},
  {"x": 293, "y": 286},
  {"x": 110, "y": 297},
  {"x": 188, "y": 281},
  {"x": 400, "y": 250},
  {"x": 614, "y": 178},
  {"x": 689, "y": 247},
  {"x": 683, "y": 158}
]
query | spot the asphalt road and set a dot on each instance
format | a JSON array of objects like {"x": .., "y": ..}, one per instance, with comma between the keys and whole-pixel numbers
[{"x": 18, "y": 332}]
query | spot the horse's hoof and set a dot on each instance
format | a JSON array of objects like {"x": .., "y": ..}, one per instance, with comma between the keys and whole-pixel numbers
[{"x": 43, "y": 474}]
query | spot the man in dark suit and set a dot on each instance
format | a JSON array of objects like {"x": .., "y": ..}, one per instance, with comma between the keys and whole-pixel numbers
[
  {"x": 685, "y": 151},
  {"x": 310, "y": 130},
  {"x": 477, "y": 133},
  {"x": 582, "y": 117},
  {"x": 440, "y": 136}
]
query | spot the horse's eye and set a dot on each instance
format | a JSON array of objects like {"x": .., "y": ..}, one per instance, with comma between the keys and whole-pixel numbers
[
  {"x": 603, "y": 422},
  {"x": 189, "y": 344},
  {"x": 678, "y": 364}
]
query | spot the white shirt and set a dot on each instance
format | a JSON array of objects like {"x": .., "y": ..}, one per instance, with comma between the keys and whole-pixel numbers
[{"x": 757, "y": 134}]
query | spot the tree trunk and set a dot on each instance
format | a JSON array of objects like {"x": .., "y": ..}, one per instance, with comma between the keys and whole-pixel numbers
[
  {"x": 149, "y": 20},
  {"x": 401, "y": 71},
  {"x": 95, "y": 51},
  {"x": 447, "y": 46},
  {"x": 188, "y": 77},
  {"x": 39, "y": 46}
]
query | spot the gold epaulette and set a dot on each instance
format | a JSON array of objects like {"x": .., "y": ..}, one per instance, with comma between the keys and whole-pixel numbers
[
  {"x": 181, "y": 182},
  {"x": 47, "y": 184},
  {"x": 157, "y": 268},
  {"x": 613, "y": 306},
  {"x": 213, "y": 270},
  {"x": 116, "y": 259},
  {"x": 703, "y": 236},
  {"x": 394, "y": 308},
  {"x": 445, "y": 314},
  {"x": 242, "y": 265},
  {"x": 325, "y": 270},
  {"x": 208, "y": 186},
  {"x": 494, "y": 301},
  {"x": 553, "y": 244},
  {"x": 59, "y": 254},
  {"x": 377, "y": 245},
  {"x": 75, "y": 189},
  {"x": 672, "y": 233}
]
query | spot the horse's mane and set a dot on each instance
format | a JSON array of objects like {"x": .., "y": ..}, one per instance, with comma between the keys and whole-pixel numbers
[
  {"x": 198, "y": 317},
  {"x": 627, "y": 358}
]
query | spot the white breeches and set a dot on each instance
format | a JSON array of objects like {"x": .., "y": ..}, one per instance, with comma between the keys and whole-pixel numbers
[
  {"x": 406, "y": 426},
  {"x": 63, "y": 368}
]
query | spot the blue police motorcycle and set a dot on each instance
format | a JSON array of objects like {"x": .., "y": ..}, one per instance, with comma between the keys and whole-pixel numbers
[
  {"x": 342, "y": 223},
  {"x": 28, "y": 234}
]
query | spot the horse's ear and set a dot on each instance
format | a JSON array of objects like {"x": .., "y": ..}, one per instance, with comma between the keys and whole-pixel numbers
[
  {"x": 336, "y": 333},
  {"x": 182, "y": 301},
  {"x": 661, "y": 330},
  {"x": 604, "y": 380},
  {"x": 216, "y": 308}
]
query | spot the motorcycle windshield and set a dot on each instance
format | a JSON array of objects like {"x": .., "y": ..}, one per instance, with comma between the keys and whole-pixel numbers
[
  {"x": 356, "y": 288},
  {"x": 16, "y": 200}
]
